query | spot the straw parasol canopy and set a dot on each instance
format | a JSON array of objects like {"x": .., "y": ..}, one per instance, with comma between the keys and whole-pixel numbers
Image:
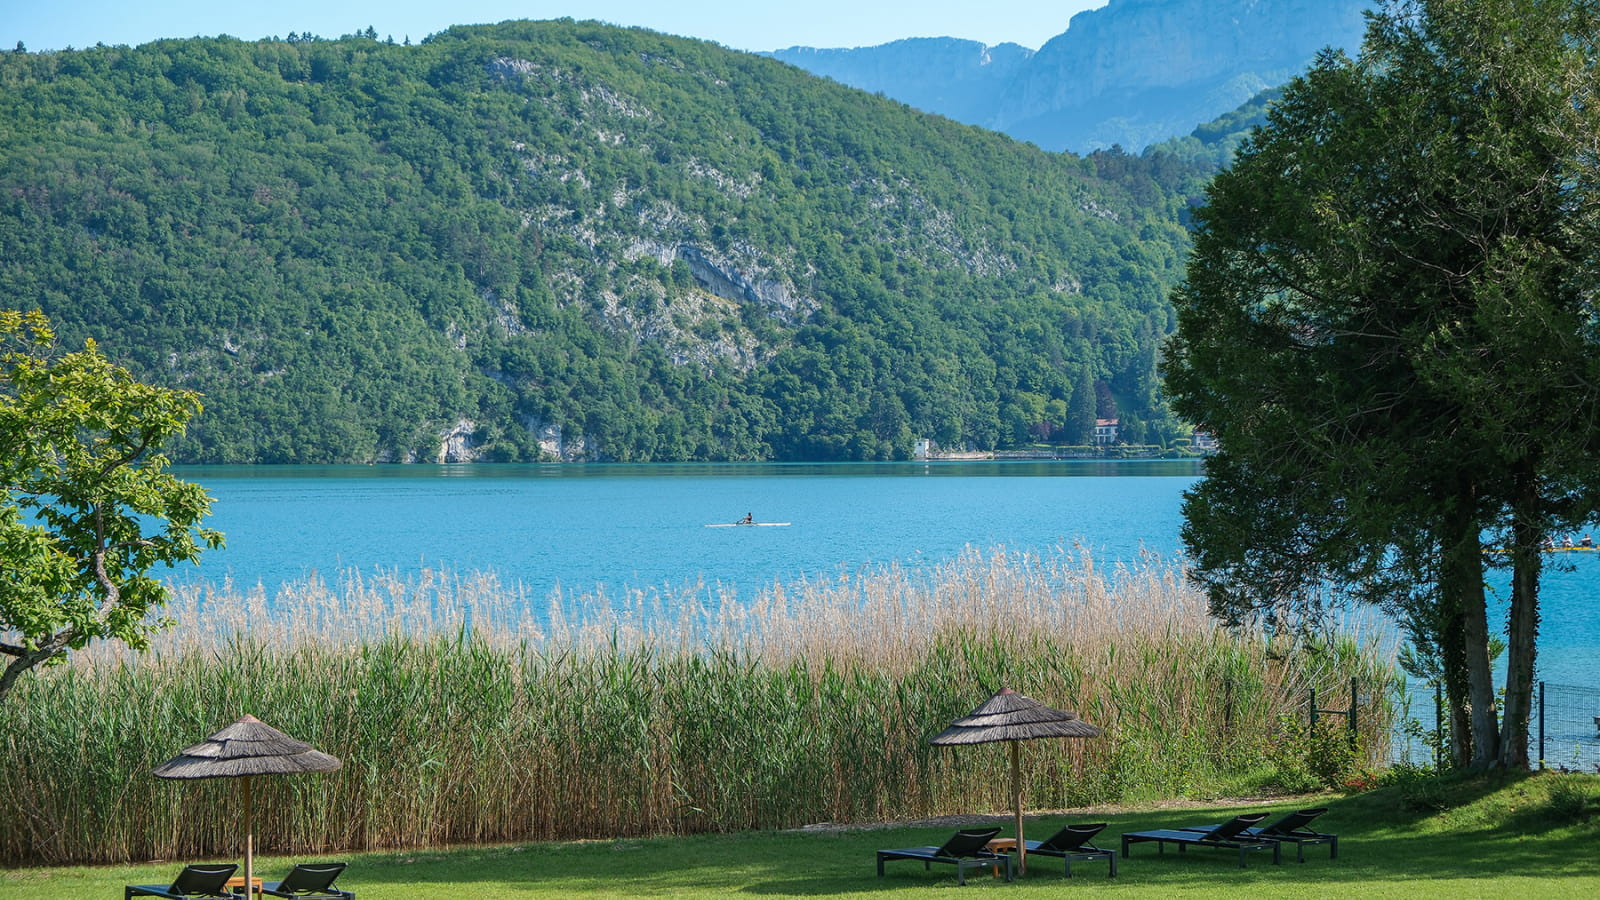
[
  {"x": 245, "y": 749},
  {"x": 1009, "y": 716}
]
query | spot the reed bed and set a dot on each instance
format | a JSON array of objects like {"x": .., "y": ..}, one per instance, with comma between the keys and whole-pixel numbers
[{"x": 462, "y": 717}]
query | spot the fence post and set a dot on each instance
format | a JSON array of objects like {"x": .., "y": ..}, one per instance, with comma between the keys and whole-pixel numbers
[
  {"x": 1541, "y": 725},
  {"x": 1313, "y": 710},
  {"x": 1353, "y": 729}
]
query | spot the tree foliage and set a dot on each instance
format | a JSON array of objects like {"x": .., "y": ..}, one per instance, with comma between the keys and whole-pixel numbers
[
  {"x": 88, "y": 507},
  {"x": 1387, "y": 321},
  {"x": 656, "y": 247}
]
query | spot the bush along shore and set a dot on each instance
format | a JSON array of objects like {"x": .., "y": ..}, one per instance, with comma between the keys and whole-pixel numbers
[{"x": 461, "y": 716}]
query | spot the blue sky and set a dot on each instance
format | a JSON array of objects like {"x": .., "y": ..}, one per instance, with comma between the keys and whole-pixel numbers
[{"x": 741, "y": 24}]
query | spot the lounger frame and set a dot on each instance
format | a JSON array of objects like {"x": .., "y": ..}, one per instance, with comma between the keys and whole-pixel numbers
[
  {"x": 964, "y": 851},
  {"x": 310, "y": 881},
  {"x": 1227, "y": 836},
  {"x": 1290, "y": 829},
  {"x": 202, "y": 880},
  {"x": 1075, "y": 846}
]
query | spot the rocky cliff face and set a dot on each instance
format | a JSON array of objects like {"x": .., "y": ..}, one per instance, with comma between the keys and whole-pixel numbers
[
  {"x": 1159, "y": 67},
  {"x": 1131, "y": 73}
]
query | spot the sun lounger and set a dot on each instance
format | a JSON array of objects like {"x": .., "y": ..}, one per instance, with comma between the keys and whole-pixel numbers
[
  {"x": 310, "y": 881},
  {"x": 965, "y": 850},
  {"x": 1229, "y": 835},
  {"x": 1072, "y": 842},
  {"x": 1291, "y": 828},
  {"x": 193, "y": 881}
]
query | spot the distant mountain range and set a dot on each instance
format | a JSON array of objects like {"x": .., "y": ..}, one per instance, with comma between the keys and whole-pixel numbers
[{"x": 1132, "y": 73}]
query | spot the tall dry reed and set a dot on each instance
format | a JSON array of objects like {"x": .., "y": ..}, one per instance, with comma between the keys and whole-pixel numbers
[{"x": 462, "y": 716}]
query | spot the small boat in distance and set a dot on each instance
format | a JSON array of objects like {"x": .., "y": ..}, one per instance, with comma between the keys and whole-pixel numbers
[
  {"x": 749, "y": 519},
  {"x": 747, "y": 522}
]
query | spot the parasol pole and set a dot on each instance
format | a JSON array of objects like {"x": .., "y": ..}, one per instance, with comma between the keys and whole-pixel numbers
[
  {"x": 1016, "y": 790},
  {"x": 249, "y": 839}
]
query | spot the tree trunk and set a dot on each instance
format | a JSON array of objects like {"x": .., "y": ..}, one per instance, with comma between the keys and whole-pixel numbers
[
  {"x": 24, "y": 659},
  {"x": 1522, "y": 639},
  {"x": 1453, "y": 663},
  {"x": 1461, "y": 583}
]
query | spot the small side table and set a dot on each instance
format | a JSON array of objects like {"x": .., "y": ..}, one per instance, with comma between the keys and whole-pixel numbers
[{"x": 1000, "y": 845}]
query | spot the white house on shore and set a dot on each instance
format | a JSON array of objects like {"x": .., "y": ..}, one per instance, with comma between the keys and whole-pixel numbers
[{"x": 1105, "y": 432}]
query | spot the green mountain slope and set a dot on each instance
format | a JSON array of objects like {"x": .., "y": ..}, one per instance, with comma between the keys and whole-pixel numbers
[
  {"x": 1213, "y": 144},
  {"x": 568, "y": 239}
]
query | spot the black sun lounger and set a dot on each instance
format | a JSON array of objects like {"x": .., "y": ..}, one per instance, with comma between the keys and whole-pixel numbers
[
  {"x": 1229, "y": 835},
  {"x": 193, "y": 881},
  {"x": 965, "y": 850},
  {"x": 1072, "y": 842},
  {"x": 1291, "y": 828},
  {"x": 310, "y": 881}
]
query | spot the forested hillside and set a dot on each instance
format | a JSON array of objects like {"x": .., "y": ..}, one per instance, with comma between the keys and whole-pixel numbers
[
  {"x": 538, "y": 240},
  {"x": 1213, "y": 144}
]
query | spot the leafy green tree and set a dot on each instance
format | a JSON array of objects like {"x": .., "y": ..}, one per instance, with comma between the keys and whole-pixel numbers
[
  {"x": 89, "y": 509},
  {"x": 1387, "y": 322},
  {"x": 1080, "y": 414}
]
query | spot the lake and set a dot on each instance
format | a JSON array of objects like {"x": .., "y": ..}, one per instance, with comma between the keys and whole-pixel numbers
[{"x": 584, "y": 528}]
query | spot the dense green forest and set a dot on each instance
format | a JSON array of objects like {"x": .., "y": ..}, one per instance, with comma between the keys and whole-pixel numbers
[{"x": 560, "y": 239}]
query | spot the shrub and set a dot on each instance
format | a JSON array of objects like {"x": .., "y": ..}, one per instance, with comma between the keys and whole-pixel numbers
[
  {"x": 1419, "y": 787},
  {"x": 1307, "y": 759},
  {"x": 1569, "y": 797}
]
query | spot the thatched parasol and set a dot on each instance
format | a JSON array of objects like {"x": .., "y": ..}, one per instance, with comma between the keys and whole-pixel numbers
[
  {"x": 245, "y": 749},
  {"x": 1009, "y": 716}
]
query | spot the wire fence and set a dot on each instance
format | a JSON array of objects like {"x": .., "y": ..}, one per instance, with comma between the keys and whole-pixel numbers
[
  {"x": 1419, "y": 737},
  {"x": 1568, "y": 727},
  {"x": 1563, "y": 730}
]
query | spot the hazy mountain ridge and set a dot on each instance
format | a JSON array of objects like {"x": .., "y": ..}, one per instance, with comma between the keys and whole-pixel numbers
[
  {"x": 1131, "y": 73},
  {"x": 952, "y": 77}
]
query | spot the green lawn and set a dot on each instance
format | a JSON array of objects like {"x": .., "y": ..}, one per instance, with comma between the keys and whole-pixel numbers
[{"x": 1501, "y": 837}]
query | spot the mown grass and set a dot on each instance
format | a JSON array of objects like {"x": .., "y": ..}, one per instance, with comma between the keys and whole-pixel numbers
[
  {"x": 461, "y": 720},
  {"x": 1505, "y": 836}
]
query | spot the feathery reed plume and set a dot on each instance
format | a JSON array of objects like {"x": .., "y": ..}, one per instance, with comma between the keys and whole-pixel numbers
[{"x": 464, "y": 715}]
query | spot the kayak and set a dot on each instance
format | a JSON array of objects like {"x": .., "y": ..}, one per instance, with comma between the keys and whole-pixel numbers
[{"x": 748, "y": 525}]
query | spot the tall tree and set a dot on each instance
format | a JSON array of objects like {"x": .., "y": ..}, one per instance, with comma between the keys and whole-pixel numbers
[
  {"x": 88, "y": 508},
  {"x": 1387, "y": 322}
]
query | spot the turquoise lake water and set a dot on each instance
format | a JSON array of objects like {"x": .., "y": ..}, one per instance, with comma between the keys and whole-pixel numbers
[
  {"x": 619, "y": 526},
  {"x": 583, "y": 527}
]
